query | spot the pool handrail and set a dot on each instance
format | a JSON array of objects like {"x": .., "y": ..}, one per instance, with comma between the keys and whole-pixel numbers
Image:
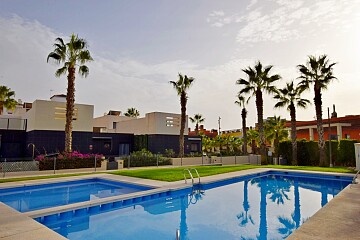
[
  {"x": 177, "y": 236},
  {"x": 355, "y": 177},
  {"x": 189, "y": 171}
]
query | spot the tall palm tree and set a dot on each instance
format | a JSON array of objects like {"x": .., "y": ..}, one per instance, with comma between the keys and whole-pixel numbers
[
  {"x": 73, "y": 54},
  {"x": 289, "y": 97},
  {"x": 275, "y": 131},
  {"x": 241, "y": 103},
  {"x": 259, "y": 81},
  {"x": 293, "y": 223},
  {"x": 198, "y": 118},
  {"x": 7, "y": 99},
  {"x": 253, "y": 138},
  {"x": 132, "y": 112},
  {"x": 319, "y": 72},
  {"x": 244, "y": 217},
  {"x": 181, "y": 86}
]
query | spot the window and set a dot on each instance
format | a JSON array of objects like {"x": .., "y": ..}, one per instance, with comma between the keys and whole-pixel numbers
[
  {"x": 194, "y": 147},
  {"x": 172, "y": 121},
  {"x": 114, "y": 125}
]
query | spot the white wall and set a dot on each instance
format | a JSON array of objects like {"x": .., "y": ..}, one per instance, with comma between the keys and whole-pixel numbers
[
  {"x": 153, "y": 123},
  {"x": 50, "y": 115},
  {"x": 107, "y": 121}
]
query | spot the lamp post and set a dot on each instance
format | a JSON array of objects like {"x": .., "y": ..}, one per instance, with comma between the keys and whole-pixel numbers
[{"x": 330, "y": 157}]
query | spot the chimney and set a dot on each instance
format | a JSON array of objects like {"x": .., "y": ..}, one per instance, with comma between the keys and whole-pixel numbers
[{"x": 333, "y": 114}]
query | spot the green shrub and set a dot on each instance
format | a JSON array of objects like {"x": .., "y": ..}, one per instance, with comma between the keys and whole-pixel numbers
[
  {"x": 303, "y": 155},
  {"x": 314, "y": 155},
  {"x": 334, "y": 152},
  {"x": 169, "y": 153},
  {"x": 145, "y": 158},
  {"x": 285, "y": 150},
  {"x": 346, "y": 154}
]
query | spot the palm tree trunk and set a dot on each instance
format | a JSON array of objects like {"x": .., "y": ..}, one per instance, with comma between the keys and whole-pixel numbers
[
  {"x": 260, "y": 110},
  {"x": 197, "y": 129},
  {"x": 293, "y": 135},
  {"x": 70, "y": 102},
  {"x": 297, "y": 212},
  {"x": 320, "y": 129},
  {"x": 243, "y": 115},
  {"x": 263, "y": 220},
  {"x": 183, "y": 101}
]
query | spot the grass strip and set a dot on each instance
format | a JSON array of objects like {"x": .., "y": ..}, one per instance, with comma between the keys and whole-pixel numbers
[
  {"x": 17, "y": 179},
  {"x": 170, "y": 174},
  {"x": 176, "y": 174}
]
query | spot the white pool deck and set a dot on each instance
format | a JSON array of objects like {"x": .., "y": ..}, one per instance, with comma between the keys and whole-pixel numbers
[{"x": 339, "y": 219}]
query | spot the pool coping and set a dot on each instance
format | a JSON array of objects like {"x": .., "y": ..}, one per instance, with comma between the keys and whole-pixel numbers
[{"x": 39, "y": 231}]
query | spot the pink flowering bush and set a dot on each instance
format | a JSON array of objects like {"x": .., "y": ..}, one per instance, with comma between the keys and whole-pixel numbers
[{"x": 69, "y": 161}]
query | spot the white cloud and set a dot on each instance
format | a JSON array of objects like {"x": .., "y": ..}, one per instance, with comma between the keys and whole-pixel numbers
[
  {"x": 251, "y": 4},
  {"x": 217, "y": 14},
  {"x": 282, "y": 20}
]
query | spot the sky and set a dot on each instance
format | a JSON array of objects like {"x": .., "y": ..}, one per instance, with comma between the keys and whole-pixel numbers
[{"x": 139, "y": 46}]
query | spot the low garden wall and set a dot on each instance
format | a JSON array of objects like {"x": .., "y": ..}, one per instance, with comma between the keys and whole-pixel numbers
[{"x": 228, "y": 160}]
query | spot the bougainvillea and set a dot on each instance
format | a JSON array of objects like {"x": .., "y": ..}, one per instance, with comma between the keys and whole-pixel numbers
[{"x": 69, "y": 160}]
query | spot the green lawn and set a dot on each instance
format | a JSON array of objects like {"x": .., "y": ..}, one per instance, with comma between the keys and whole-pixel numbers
[
  {"x": 17, "y": 179},
  {"x": 177, "y": 173}
]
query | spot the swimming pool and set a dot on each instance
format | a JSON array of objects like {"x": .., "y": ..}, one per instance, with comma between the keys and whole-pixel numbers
[
  {"x": 270, "y": 205},
  {"x": 41, "y": 196}
]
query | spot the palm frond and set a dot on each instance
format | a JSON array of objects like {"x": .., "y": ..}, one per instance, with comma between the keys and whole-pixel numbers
[
  {"x": 84, "y": 70},
  {"x": 61, "y": 71}
]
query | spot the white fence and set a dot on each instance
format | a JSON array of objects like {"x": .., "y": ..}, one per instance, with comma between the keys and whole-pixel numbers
[{"x": 228, "y": 160}]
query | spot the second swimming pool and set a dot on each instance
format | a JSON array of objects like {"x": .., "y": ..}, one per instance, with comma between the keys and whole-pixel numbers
[{"x": 41, "y": 196}]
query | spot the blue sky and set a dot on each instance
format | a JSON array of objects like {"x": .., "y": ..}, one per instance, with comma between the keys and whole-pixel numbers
[{"x": 139, "y": 46}]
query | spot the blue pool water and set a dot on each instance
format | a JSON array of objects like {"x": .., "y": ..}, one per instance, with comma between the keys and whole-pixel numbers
[
  {"x": 35, "y": 197},
  {"x": 265, "y": 206}
]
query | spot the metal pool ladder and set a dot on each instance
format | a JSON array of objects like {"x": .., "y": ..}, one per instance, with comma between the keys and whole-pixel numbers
[
  {"x": 191, "y": 176},
  {"x": 355, "y": 177},
  {"x": 177, "y": 236}
]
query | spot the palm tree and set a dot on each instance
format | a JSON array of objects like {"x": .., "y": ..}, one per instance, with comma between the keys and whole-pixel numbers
[
  {"x": 293, "y": 223},
  {"x": 241, "y": 103},
  {"x": 207, "y": 144},
  {"x": 73, "y": 54},
  {"x": 253, "y": 138},
  {"x": 132, "y": 112},
  {"x": 7, "y": 99},
  {"x": 244, "y": 217},
  {"x": 198, "y": 118},
  {"x": 181, "y": 86},
  {"x": 317, "y": 71},
  {"x": 289, "y": 97},
  {"x": 258, "y": 81},
  {"x": 275, "y": 131}
]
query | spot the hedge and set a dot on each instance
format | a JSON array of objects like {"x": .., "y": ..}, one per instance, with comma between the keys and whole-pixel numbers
[
  {"x": 145, "y": 158},
  {"x": 342, "y": 152}
]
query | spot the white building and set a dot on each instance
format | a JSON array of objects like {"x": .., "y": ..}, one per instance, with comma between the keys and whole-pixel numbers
[{"x": 152, "y": 124}]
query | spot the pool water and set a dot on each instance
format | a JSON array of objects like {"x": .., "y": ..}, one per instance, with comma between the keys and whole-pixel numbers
[
  {"x": 35, "y": 197},
  {"x": 270, "y": 206}
]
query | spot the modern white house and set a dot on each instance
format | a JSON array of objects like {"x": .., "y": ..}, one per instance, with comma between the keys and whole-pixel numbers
[
  {"x": 42, "y": 123},
  {"x": 152, "y": 123}
]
